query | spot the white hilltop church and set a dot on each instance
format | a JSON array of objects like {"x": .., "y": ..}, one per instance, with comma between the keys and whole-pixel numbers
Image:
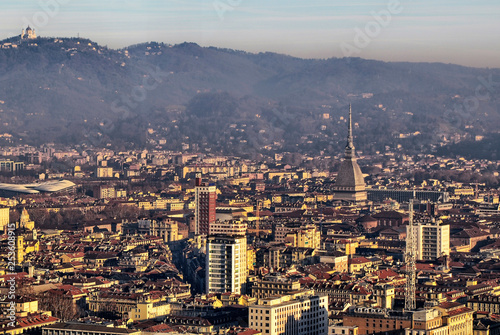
[{"x": 29, "y": 34}]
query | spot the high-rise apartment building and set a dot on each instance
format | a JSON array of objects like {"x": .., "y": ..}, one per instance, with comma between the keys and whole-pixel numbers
[
  {"x": 302, "y": 313},
  {"x": 226, "y": 264},
  {"x": 205, "y": 199},
  {"x": 432, "y": 239}
]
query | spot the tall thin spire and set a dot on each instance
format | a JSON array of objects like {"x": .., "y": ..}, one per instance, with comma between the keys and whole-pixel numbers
[
  {"x": 349, "y": 136},
  {"x": 350, "y": 183},
  {"x": 410, "y": 259},
  {"x": 349, "y": 148}
]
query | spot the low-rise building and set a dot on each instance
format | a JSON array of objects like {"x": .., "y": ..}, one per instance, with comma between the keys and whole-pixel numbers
[
  {"x": 274, "y": 286},
  {"x": 86, "y": 329},
  {"x": 300, "y": 313},
  {"x": 375, "y": 320}
]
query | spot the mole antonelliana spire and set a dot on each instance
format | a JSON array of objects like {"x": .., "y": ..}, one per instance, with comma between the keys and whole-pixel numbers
[
  {"x": 349, "y": 148},
  {"x": 350, "y": 183}
]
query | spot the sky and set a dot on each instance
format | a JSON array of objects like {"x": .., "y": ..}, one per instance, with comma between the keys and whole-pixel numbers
[{"x": 448, "y": 31}]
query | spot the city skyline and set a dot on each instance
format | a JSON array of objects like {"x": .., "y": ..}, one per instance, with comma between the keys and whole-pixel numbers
[{"x": 395, "y": 30}]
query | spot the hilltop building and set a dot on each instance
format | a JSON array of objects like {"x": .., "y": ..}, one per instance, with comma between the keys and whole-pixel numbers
[
  {"x": 29, "y": 34},
  {"x": 350, "y": 183}
]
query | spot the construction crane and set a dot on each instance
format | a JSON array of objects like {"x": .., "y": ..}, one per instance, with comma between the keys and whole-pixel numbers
[
  {"x": 410, "y": 260},
  {"x": 257, "y": 221}
]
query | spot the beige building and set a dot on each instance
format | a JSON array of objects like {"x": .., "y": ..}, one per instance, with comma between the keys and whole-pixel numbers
[
  {"x": 433, "y": 239},
  {"x": 167, "y": 229},
  {"x": 136, "y": 306},
  {"x": 359, "y": 263},
  {"x": 228, "y": 227},
  {"x": 449, "y": 318},
  {"x": 307, "y": 237},
  {"x": 11, "y": 166},
  {"x": 26, "y": 306},
  {"x": 376, "y": 320},
  {"x": 339, "y": 261},
  {"x": 299, "y": 313},
  {"x": 29, "y": 34},
  {"x": 427, "y": 322},
  {"x": 384, "y": 295},
  {"x": 149, "y": 310},
  {"x": 4, "y": 218},
  {"x": 104, "y": 172},
  {"x": 86, "y": 329},
  {"x": 274, "y": 286},
  {"x": 342, "y": 330},
  {"x": 457, "y": 317},
  {"x": 104, "y": 192}
]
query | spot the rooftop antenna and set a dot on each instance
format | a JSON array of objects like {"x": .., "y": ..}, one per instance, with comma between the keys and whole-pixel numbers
[
  {"x": 410, "y": 303},
  {"x": 257, "y": 222}
]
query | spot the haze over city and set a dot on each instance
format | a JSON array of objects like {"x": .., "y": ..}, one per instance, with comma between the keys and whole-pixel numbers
[
  {"x": 459, "y": 32},
  {"x": 168, "y": 167}
]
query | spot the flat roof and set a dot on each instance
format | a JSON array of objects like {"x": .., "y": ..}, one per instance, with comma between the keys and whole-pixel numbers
[
  {"x": 90, "y": 328},
  {"x": 49, "y": 186}
]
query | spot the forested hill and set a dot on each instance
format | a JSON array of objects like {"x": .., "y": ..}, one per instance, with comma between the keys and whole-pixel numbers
[{"x": 74, "y": 91}]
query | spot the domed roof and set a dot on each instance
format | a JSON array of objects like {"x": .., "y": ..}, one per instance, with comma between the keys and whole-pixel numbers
[{"x": 350, "y": 175}]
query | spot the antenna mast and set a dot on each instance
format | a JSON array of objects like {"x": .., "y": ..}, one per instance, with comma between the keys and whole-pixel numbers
[
  {"x": 410, "y": 259},
  {"x": 257, "y": 222}
]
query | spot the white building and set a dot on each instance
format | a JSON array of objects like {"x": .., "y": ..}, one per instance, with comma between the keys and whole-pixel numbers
[
  {"x": 432, "y": 239},
  {"x": 29, "y": 34},
  {"x": 226, "y": 264},
  {"x": 303, "y": 313}
]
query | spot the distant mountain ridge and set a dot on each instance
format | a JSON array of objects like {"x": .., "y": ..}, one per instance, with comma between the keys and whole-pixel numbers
[{"x": 74, "y": 91}]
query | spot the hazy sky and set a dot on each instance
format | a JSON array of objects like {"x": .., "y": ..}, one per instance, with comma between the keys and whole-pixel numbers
[{"x": 449, "y": 31}]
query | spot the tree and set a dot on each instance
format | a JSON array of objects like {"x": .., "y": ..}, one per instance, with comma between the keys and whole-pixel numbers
[{"x": 59, "y": 303}]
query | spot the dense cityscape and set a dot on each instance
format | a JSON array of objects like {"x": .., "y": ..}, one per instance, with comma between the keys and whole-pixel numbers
[
  {"x": 97, "y": 241},
  {"x": 232, "y": 167}
]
